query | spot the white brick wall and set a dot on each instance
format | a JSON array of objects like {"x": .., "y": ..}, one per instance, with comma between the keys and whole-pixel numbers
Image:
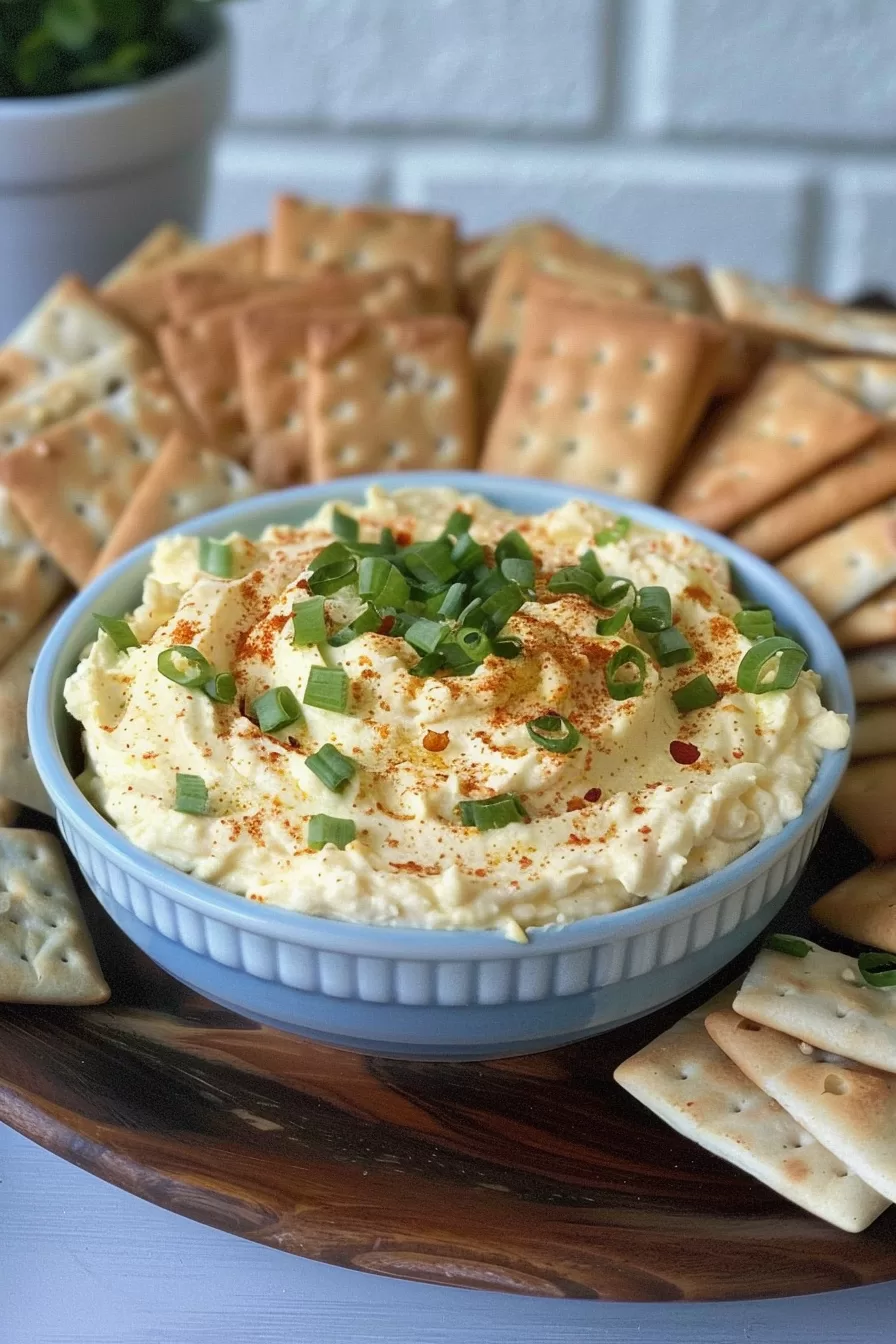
[{"x": 761, "y": 133}]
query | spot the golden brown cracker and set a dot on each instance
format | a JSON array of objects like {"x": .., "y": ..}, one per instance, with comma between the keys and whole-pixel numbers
[
  {"x": 143, "y": 299},
  {"x": 872, "y": 622},
  {"x": 864, "y": 801},
  {"x": 843, "y": 567},
  {"x": 863, "y": 907}
]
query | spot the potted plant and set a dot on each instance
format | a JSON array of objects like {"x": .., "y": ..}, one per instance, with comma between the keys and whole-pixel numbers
[{"x": 107, "y": 111}]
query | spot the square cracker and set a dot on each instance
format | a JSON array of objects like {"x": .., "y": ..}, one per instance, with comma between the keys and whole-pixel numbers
[
  {"x": 69, "y": 325},
  {"x": 19, "y": 779},
  {"x": 30, "y": 580},
  {"x": 843, "y": 567},
  {"x": 46, "y": 955},
  {"x": 190, "y": 294},
  {"x": 864, "y": 801},
  {"x": 821, "y": 999},
  {"x": 685, "y": 1079},
  {"x": 874, "y": 733},
  {"x": 863, "y": 907},
  {"x": 873, "y": 674},
  {"x": 601, "y": 394},
  {"x": 871, "y": 382},
  {"x": 800, "y": 315},
  {"x": 389, "y": 396},
  {"x": 143, "y": 299},
  {"x": 72, "y": 483},
  {"x": 184, "y": 481},
  {"x": 270, "y": 337},
  {"x": 784, "y": 429},
  {"x": 849, "y": 1108},
  {"x": 159, "y": 248},
  {"x": 201, "y": 362},
  {"x": 872, "y": 622},
  {"x": 844, "y": 489},
  {"x": 306, "y": 237}
]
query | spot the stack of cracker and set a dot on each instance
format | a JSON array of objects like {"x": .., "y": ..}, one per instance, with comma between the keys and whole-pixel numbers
[{"x": 791, "y": 1077}]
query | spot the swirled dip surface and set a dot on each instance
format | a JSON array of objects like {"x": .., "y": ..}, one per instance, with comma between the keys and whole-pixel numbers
[{"x": 626, "y": 817}]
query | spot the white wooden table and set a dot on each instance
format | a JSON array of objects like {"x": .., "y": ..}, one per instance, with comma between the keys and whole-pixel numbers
[{"x": 84, "y": 1263}]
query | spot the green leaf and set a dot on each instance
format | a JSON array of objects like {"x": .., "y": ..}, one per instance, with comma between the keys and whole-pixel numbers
[
  {"x": 122, "y": 67},
  {"x": 73, "y": 24},
  {"x": 37, "y": 62}
]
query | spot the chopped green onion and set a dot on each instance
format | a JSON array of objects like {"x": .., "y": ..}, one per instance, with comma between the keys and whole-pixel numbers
[
  {"x": 588, "y": 560},
  {"x": 624, "y": 688},
  {"x": 613, "y": 591},
  {"x": 474, "y": 644},
  {"x": 331, "y": 767},
  {"x": 276, "y": 709},
  {"x": 512, "y": 546},
  {"x": 670, "y": 647},
  {"x": 388, "y": 544},
  {"x": 755, "y": 623},
  {"x": 554, "y": 733},
  {"x": 324, "y": 830},
  {"x": 498, "y": 609},
  {"x": 382, "y": 582},
  {"x": 120, "y": 633},
  {"x": 308, "y": 624},
  {"x": 190, "y": 794},
  {"x": 329, "y": 579},
  {"x": 425, "y": 636},
  {"x": 367, "y": 620},
  {"x": 751, "y": 674},
  {"x": 430, "y": 563},
  {"x": 492, "y": 581},
  {"x": 573, "y": 579},
  {"x": 457, "y": 524},
  {"x": 652, "y": 611},
  {"x": 466, "y": 553},
  {"x": 878, "y": 969},
  {"x": 429, "y": 663},
  {"x": 695, "y": 694},
  {"x": 472, "y": 613},
  {"x": 198, "y": 669},
  {"x": 433, "y": 604},
  {"x": 215, "y": 557},
  {"x": 508, "y": 647},
  {"x": 615, "y": 532},
  {"x": 452, "y": 602},
  {"x": 344, "y": 527},
  {"x": 519, "y": 571},
  {"x": 220, "y": 687},
  {"x": 611, "y": 625},
  {"x": 337, "y": 550},
  {"x": 491, "y": 814},
  {"x": 327, "y": 688},
  {"x": 793, "y": 947}
]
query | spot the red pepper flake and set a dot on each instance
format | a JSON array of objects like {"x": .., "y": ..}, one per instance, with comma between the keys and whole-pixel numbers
[
  {"x": 435, "y": 741},
  {"x": 403, "y": 538},
  {"x": 575, "y": 804},
  {"x": 737, "y": 754},
  {"x": 643, "y": 830},
  {"x": 386, "y": 625},
  {"x": 593, "y": 796},
  {"x": 576, "y": 839},
  {"x": 684, "y": 753},
  {"x": 303, "y": 583},
  {"x": 525, "y": 861},
  {"x": 638, "y": 810}
]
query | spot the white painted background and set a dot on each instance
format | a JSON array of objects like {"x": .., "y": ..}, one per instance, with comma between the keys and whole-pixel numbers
[{"x": 759, "y": 133}]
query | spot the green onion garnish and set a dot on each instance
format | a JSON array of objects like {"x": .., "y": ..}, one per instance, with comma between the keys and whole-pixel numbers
[
  {"x": 695, "y": 694},
  {"x": 611, "y": 625},
  {"x": 324, "y": 830},
  {"x": 616, "y": 532},
  {"x": 588, "y": 560},
  {"x": 120, "y": 633},
  {"x": 190, "y": 794},
  {"x": 490, "y": 581},
  {"x": 429, "y": 663},
  {"x": 792, "y": 947},
  {"x": 497, "y": 610},
  {"x": 613, "y": 591},
  {"x": 382, "y": 582},
  {"x": 472, "y": 613},
  {"x": 507, "y": 647},
  {"x": 329, "y": 579},
  {"x": 457, "y": 524},
  {"x": 344, "y": 527},
  {"x": 276, "y": 709},
  {"x": 878, "y": 969},
  {"x": 197, "y": 671},
  {"x": 624, "y": 688},
  {"x": 518, "y": 570},
  {"x": 554, "y": 733},
  {"x": 331, "y": 767},
  {"x": 755, "y": 623},
  {"x": 327, "y": 688},
  {"x": 652, "y": 611},
  {"x": 215, "y": 557},
  {"x": 491, "y": 814},
  {"x": 469, "y": 645},
  {"x": 308, "y": 624},
  {"x": 368, "y": 619},
  {"x": 220, "y": 687},
  {"x": 670, "y": 647},
  {"x": 512, "y": 546},
  {"x": 430, "y": 563},
  {"x": 337, "y": 550},
  {"x": 425, "y": 636},
  {"x": 573, "y": 579},
  {"x": 452, "y": 602},
  {"x": 752, "y": 672},
  {"x": 466, "y": 553}
]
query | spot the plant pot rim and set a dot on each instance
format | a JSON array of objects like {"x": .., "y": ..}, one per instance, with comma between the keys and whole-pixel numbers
[{"x": 102, "y": 101}]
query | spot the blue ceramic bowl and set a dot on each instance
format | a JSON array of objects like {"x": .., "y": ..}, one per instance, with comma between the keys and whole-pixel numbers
[{"x": 409, "y": 992}]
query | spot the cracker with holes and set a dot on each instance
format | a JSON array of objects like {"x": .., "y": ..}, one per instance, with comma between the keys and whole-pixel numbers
[
  {"x": 46, "y": 955},
  {"x": 873, "y": 674},
  {"x": 201, "y": 362},
  {"x": 142, "y": 299},
  {"x": 191, "y": 294},
  {"x": 874, "y": 733},
  {"x": 863, "y": 907},
  {"x": 785, "y": 429},
  {"x": 30, "y": 580},
  {"x": 864, "y": 801},
  {"x": 69, "y": 325},
  {"x": 184, "y": 481},
  {"x": 159, "y": 248},
  {"x": 843, "y": 567},
  {"x": 685, "y": 1079},
  {"x": 19, "y": 779},
  {"x": 845, "y": 489},
  {"x": 848, "y": 1107},
  {"x": 601, "y": 395},
  {"x": 389, "y": 396},
  {"x": 72, "y": 483},
  {"x": 800, "y": 315},
  {"x": 307, "y": 237},
  {"x": 872, "y": 622},
  {"x": 870, "y": 382}
]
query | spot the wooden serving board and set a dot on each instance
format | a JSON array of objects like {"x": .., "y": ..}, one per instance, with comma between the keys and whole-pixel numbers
[{"x": 535, "y": 1175}]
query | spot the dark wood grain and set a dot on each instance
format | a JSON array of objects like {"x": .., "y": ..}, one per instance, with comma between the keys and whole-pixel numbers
[{"x": 534, "y": 1175}]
